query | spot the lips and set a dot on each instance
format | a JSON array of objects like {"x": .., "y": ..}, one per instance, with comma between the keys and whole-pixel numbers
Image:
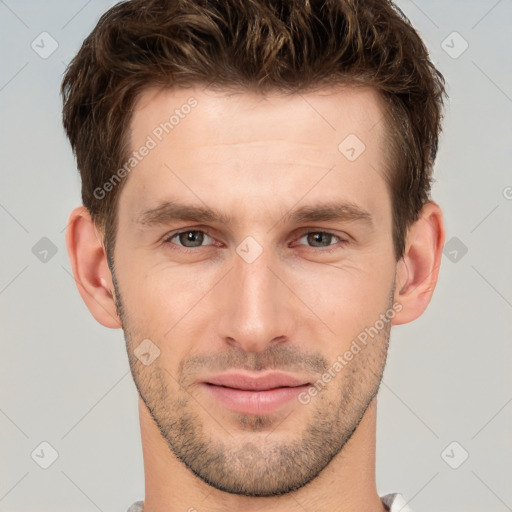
[
  {"x": 253, "y": 383},
  {"x": 248, "y": 394}
]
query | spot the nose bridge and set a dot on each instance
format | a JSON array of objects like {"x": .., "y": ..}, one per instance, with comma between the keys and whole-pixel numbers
[{"x": 254, "y": 311}]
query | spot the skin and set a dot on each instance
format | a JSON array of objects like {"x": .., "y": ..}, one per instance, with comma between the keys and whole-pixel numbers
[{"x": 295, "y": 308}]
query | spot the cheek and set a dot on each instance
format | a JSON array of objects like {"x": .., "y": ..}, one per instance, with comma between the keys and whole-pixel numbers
[
  {"x": 347, "y": 299},
  {"x": 159, "y": 301},
  {"x": 160, "y": 306}
]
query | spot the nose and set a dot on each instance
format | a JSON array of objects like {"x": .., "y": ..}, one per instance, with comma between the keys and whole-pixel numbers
[{"x": 256, "y": 307}]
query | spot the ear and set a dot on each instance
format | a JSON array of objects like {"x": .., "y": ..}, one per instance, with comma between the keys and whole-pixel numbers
[
  {"x": 90, "y": 268},
  {"x": 417, "y": 271}
]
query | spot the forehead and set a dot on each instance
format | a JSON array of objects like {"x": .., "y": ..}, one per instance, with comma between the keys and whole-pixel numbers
[
  {"x": 236, "y": 117},
  {"x": 206, "y": 143}
]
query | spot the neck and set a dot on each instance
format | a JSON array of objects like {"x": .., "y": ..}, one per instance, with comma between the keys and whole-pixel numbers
[{"x": 347, "y": 484}]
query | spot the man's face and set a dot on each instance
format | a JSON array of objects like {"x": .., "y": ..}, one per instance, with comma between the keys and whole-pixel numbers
[{"x": 262, "y": 290}]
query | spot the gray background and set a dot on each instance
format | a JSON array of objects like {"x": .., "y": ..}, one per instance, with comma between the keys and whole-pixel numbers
[{"x": 64, "y": 379}]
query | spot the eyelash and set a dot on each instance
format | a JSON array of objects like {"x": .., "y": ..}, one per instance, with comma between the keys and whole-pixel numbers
[{"x": 167, "y": 240}]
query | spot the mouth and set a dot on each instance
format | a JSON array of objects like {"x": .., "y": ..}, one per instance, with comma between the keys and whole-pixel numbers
[{"x": 247, "y": 394}]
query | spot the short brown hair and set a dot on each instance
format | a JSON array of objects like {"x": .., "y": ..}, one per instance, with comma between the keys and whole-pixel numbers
[{"x": 264, "y": 45}]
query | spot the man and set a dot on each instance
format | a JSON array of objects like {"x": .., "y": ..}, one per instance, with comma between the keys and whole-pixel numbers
[{"x": 256, "y": 215}]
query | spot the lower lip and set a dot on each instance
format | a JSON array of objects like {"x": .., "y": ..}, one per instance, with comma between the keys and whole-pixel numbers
[{"x": 254, "y": 402}]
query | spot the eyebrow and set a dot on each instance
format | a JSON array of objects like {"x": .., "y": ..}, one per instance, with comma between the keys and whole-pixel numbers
[{"x": 172, "y": 211}]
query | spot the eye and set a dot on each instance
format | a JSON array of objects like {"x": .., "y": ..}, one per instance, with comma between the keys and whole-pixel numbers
[
  {"x": 194, "y": 238},
  {"x": 188, "y": 239},
  {"x": 320, "y": 239}
]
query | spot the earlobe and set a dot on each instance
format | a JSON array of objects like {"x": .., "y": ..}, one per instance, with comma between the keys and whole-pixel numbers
[
  {"x": 90, "y": 268},
  {"x": 418, "y": 270}
]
